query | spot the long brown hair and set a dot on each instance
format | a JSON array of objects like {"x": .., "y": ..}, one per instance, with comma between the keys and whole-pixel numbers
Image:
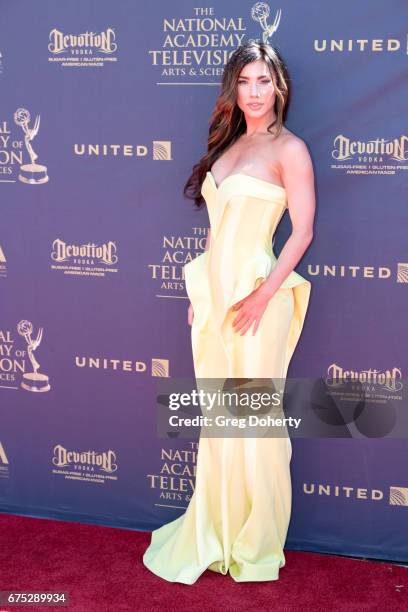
[{"x": 227, "y": 121}]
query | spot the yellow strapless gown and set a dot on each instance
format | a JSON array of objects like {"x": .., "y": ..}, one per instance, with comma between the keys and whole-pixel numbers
[{"x": 238, "y": 515}]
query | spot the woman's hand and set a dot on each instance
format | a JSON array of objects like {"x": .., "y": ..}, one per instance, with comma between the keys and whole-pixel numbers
[
  {"x": 251, "y": 308},
  {"x": 190, "y": 315}
]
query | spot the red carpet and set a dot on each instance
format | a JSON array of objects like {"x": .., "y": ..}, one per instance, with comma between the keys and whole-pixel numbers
[{"x": 101, "y": 568}]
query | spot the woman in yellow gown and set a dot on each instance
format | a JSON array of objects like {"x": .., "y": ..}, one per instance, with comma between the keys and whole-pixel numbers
[{"x": 247, "y": 310}]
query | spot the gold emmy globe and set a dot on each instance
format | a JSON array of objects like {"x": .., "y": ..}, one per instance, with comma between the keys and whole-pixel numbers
[
  {"x": 33, "y": 381},
  {"x": 33, "y": 173}
]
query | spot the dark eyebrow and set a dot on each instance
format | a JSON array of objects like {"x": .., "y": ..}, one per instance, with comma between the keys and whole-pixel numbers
[{"x": 263, "y": 76}]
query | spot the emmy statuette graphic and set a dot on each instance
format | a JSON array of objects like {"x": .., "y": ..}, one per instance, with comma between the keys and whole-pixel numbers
[
  {"x": 33, "y": 173},
  {"x": 33, "y": 381},
  {"x": 260, "y": 12}
]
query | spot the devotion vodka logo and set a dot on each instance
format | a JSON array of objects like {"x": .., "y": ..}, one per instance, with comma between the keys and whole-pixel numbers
[{"x": 89, "y": 49}]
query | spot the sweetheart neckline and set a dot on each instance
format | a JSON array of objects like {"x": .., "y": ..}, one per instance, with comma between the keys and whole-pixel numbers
[{"x": 255, "y": 178}]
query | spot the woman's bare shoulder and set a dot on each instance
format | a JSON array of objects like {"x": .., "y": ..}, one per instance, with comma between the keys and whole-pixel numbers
[
  {"x": 291, "y": 145},
  {"x": 290, "y": 139},
  {"x": 295, "y": 159}
]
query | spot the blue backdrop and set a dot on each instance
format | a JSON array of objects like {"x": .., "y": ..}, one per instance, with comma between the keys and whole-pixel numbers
[{"x": 104, "y": 110}]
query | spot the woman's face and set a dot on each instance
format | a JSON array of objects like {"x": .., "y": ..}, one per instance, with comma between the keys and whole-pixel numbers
[{"x": 255, "y": 90}]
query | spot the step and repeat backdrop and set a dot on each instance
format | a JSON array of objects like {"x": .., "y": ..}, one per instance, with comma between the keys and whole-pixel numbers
[{"x": 104, "y": 111}]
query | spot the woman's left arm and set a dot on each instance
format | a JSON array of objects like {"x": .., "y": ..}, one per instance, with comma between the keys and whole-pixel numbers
[{"x": 298, "y": 180}]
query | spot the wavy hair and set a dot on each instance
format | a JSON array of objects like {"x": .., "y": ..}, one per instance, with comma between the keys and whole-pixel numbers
[{"x": 227, "y": 121}]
